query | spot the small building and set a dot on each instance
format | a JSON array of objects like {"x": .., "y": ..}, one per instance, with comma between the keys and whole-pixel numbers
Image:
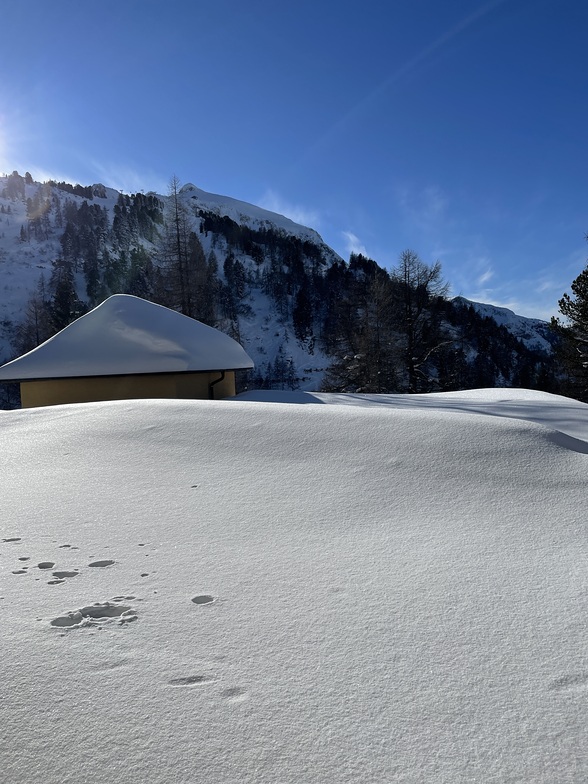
[{"x": 128, "y": 348}]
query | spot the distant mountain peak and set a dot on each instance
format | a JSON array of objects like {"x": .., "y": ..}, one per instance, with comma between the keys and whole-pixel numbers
[
  {"x": 534, "y": 333},
  {"x": 244, "y": 213}
]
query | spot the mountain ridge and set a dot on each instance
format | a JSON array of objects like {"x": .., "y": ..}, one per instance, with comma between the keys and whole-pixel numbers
[
  {"x": 249, "y": 214},
  {"x": 269, "y": 282},
  {"x": 533, "y": 332}
]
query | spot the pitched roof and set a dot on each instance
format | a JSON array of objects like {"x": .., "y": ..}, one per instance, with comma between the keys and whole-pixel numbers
[{"x": 128, "y": 335}]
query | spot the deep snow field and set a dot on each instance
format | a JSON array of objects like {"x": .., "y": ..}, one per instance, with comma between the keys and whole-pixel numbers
[{"x": 379, "y": 589}]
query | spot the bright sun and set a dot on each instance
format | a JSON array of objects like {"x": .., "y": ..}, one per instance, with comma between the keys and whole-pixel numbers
[{"x": 4, "y": 153}]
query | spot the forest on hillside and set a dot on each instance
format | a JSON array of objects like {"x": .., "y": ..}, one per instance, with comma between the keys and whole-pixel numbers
[{"x": 380, "y": 330}]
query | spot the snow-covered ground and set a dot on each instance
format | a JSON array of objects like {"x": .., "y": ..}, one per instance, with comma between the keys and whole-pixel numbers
[{"x": 383, "y": 589}]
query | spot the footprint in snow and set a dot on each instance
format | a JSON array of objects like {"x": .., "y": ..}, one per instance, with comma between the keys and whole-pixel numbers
[
  {"x": 576, "y": 682},
  {"x": 190, "y": 680},
  {"x": 95, "y": 615},
  {"x": 203, "y": 599},
  {"x": 106, "y": 562},
  {"x": 235, "y": 694}
]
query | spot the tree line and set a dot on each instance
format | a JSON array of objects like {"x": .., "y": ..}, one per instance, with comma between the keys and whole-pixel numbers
[{"x": 383, "y": 330}]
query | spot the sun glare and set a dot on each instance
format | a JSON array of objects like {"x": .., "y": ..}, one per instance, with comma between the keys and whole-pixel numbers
[
  {"x": 3, "y": 146},
  {"x": 7, "y": 157}
]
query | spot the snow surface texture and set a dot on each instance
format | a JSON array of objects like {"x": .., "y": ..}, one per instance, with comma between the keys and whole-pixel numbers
[
  {"x": 129, "y": 335},
  {"x": 390, "y": 590}
]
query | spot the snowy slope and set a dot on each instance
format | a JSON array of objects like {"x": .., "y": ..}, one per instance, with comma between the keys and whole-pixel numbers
[
  {"x": 263, "y": 333},
  {"x": 377, "y": 590},
  {"x": 534, "y": 333},
  {"x": 246, "y": 214},
  {"x": 21, "y": 264}
]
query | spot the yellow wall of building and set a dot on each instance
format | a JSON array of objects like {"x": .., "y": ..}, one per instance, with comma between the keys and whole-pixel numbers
[{"x": 190, "y": 386}]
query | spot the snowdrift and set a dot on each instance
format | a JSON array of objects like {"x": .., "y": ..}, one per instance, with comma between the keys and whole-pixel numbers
[{"x": 248, "y": 591}]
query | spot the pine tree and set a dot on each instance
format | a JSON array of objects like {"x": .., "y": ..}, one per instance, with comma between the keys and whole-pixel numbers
[
  {"x": 197, "y": 299},
  {"x": 302, "y": 314},
  {"x": 37, "y": 326},
  {"x": 65, "y": 304},
  {"x": 174, "y": 252},
  {"x": 419, "y": 293},
  {"x": 140, "y": 276},
  {"x": 573, "y": 331},
  {"x": 365, "y": 343}
]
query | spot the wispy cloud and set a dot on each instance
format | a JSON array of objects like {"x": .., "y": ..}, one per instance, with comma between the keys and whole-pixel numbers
[
  {"x": 10, "y": 163},
  {"x": 535, "y": 297},
  {"x": 41, "y": 174},
  {"x": 424, "y": 209},
  {"x": 353, "y": 244},
  {"x": 299, "y": 214},
  {"x": 486, "y": 276},
  {"x": 129, "y": 179}
]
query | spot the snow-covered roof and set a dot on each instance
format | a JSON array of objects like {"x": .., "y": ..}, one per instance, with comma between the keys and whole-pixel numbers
[{"x": 128, "y": 335}]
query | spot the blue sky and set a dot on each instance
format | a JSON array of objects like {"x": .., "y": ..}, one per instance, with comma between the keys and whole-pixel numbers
[{"x": 456, "y": 128}]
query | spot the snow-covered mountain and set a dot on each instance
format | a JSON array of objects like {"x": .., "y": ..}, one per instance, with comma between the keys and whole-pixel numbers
[
  {"x": 534, "y": 333},
  {"x": 34, "y": 218},
  {"x": 24, "y": 259},
  {"x": 269, "y": 282},
  {"x": 246, "y": 214}
]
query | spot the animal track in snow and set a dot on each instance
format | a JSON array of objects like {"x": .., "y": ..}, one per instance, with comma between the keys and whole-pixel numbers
[
  {"x": 576, "y": 681},
  {"x": 106, "y": 562},
  {"x": 95, "y": 614},
  {"x": 12, "y": 539},
  {"x": 235, "y": 694},
  {"x": 62, "y": 575},
  {"x": 203, "y": 599},
  {"x": 113, "y": 664},
  {"x": 190, "y": 680}
]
